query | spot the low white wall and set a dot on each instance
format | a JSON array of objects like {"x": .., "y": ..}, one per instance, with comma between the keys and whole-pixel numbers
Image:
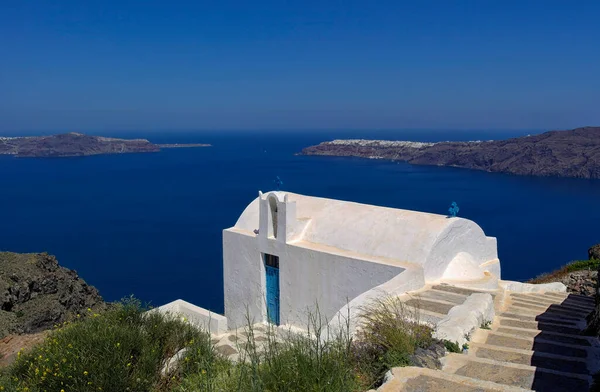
[
  {"x": 462, "y": 320},
  {"x": 519, "y": 287},
  {"x": 308, "y": 278},
  {"x": 202, "y": 318}
]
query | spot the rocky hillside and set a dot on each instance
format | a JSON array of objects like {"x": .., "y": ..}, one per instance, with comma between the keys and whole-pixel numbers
[
  {"x": 76, "y": 144},
  {"x": 36, "y": 293},
  {"x": 573, "y": 153}
]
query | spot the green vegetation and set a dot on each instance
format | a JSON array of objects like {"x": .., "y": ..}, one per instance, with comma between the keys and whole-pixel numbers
[
  {"x": 297, "y": 362},
  {"x": 452, "y": 347},
  {"x": 389, "y": 336},
  {"x": 125, "y": 348},
  {"x": 571, "y": 267},
  {"x": 120, "y": 350},
  {"x": 486, "y": 324}
]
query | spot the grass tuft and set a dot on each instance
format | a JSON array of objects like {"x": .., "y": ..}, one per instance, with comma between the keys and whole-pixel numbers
[{"x": 390, "y": 332}]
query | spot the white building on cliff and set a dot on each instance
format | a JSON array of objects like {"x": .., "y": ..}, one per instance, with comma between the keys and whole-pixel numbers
[{"x": 288, "y": 252}]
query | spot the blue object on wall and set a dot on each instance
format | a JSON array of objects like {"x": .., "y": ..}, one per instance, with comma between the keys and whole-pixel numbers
[
  {"x": 272, "y": 294},
  {"x": 278, "y": 183},
  {"x": 453, "y": 210}
]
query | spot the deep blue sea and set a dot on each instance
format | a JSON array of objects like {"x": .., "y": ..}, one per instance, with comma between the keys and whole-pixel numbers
[{"x": 150, "y": 224}]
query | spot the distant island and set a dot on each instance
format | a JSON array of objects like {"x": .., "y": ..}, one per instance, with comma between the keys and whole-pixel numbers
[
  {"x": 76, "y": 144},
  {"x": 572, "y": 153}
]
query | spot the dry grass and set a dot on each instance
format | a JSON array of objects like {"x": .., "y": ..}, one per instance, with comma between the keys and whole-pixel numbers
[{"x": 389, "y": 334}]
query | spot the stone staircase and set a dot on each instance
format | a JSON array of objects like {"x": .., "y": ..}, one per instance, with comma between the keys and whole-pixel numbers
[
  {"x": 434, "y": 302},
  {"x": 534, "y": 343}
]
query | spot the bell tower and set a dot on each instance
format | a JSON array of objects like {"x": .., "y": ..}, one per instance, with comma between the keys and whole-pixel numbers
[{"x": 277, "y": 216}]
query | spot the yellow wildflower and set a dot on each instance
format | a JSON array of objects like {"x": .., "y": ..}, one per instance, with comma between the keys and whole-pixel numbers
[{"x": 85, "y": 373}]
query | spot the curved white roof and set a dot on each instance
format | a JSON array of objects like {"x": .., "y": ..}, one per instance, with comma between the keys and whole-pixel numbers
[{"x": 409, "y": 236}]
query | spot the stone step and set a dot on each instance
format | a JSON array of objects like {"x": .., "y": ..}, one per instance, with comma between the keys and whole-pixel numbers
[
  {"x": 510, "y": 341},
  {"x": 459, "y": 290},
  {"x": 427, "y": 317},
  {"x": 576, "y": 340},
  {"x": 537, "y": 312},
  {"x": 431, "y": 306},
  {"x": 531, "y": 358},
  {"x": 552, "y": 308},
  {"x": 489, "y": 282},
  {"x": 557, "y": 297},
  {"x": 538, "y": 325},
  {"x": 456, "y": 299},
  {"x": 524, "y": 376},
  {"x": 567, "y": 307},
  {"x": 416, "y": 379},
  {"x": 582, "y": 298},
  {"x": 567, "y": 303},
  {"x": 556, "y": 319}
]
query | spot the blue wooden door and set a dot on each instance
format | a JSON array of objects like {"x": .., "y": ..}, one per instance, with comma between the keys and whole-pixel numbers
[{"x": 272, "y": 294}]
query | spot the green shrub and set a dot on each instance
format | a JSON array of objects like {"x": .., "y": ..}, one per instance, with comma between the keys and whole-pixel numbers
[
  {"x": 203, "y": 369},
  {"x": 7, "y": 383},
  {"x": 122, "y": 349},
  {"x": 452, "y": 347},
  {"x": 573, "y": 266},
  {"x": 390, "y": 333},
  {"x": 582, "y": 265}
]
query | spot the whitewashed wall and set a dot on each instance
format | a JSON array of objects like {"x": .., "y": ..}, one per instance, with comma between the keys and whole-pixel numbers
[{"x": 307, "y": 277}]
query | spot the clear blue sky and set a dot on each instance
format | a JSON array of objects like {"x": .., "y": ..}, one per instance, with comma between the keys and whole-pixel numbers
[{"x": 108, "y": 64}]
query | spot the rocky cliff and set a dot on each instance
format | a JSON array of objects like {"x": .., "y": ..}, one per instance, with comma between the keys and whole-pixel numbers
[
  {"x": 573, "y": 153},
  {"x": 36, "y": 293}
]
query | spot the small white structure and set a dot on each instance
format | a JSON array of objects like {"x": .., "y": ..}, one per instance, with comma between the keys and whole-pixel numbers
[
  {"x": 195, "y": 315},
  {"x": 288, "y": 253}
]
